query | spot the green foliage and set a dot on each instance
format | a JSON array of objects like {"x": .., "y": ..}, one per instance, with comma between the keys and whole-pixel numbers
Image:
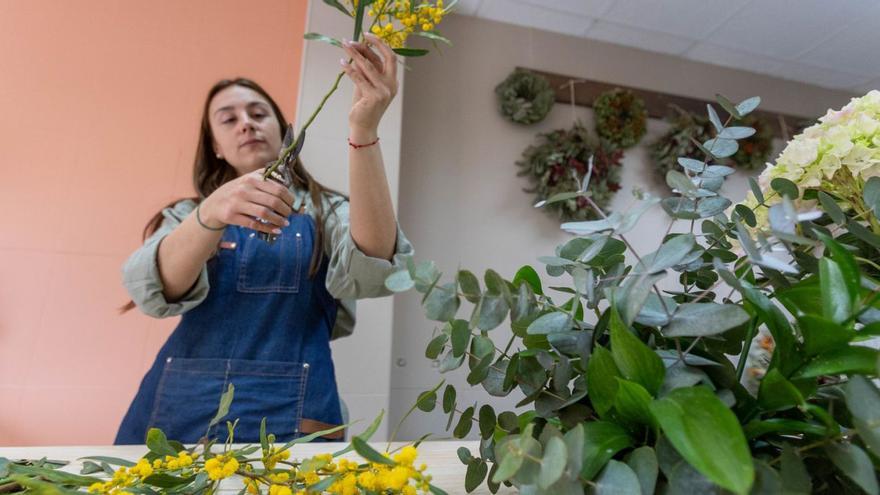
[{"x": 630, "y": 388}]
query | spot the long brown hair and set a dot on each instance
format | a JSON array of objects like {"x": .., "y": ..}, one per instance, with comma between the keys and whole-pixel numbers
[{"x": 210, "y": 172}]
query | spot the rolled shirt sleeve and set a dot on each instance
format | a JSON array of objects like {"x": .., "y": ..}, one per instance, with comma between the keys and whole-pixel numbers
[
  {"x": 351, "y": 274},
  {"x": 140, "y": 273}
]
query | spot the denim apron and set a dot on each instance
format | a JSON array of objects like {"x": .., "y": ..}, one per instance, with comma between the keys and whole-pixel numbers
[{"x": 265, "y": 328}]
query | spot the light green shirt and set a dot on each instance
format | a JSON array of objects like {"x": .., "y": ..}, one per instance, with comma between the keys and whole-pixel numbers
[{"x": 351, "y": 274}]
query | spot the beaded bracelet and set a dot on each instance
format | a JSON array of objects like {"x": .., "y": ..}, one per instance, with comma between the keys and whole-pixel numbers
[{"x": 357, "y": 146}]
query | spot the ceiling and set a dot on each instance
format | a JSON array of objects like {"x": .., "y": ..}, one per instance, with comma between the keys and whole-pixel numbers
[{"x": 829, "y": 43}]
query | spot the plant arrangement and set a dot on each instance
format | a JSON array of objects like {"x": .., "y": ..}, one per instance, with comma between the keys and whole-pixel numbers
[
  {"x": 525, "y": 97},
  {"x": 621, "y": 118}
]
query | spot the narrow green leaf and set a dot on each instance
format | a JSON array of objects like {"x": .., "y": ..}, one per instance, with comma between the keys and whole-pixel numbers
[
  {"x": 756, "y": 190},
  {"x": 836, "y": 300},
  {"x": 113, "y": 461},
  {"x": 777, "y": 393},
  {"x": 601, "y": 380},
  {"x": 369, "y": 453},
  {"x": 632, "y": 403},
  {"x": 364, "y": 435},
  {"x": 163, "y": 480},
  {"x": 223, "y": 409},
  {"x": 410, "y": 52},
  {"x": 335, "y": 4},
  {"x": 852, "y": 359},
  {"x": 326, "y": 39},
  {"x": 795, "y": 477},
  {"x": 635, "y": 360},
  {"x": 821, "y": 335},
  {"x": 863, "y": 401}
]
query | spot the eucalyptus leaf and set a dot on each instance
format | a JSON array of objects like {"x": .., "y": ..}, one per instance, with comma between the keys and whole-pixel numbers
[
  {"x": 855, "y": 464},
  {"x": 871, "y": 195},
  {"x": 553, "y": 462},
  {"x": 550, "y": 323},
  {"x": 721, "y": 148},
  {"x": 703, "y": 319},
  {"x": 442, "y": 303},
  {"x": 746, "y": 106},
  {"x": 617, "y": 479},
  {"x": 736, "y": 133},
  {"x": 713, "y": 117}
]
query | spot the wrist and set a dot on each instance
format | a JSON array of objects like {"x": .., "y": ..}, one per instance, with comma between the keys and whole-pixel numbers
[
  {"x": 361, "y": 135},
  {"x": 206, "y": 218}
]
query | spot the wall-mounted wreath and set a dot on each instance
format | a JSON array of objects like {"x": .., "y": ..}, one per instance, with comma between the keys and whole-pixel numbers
[
  {"x": 621, "y": 118},
  {"x": 559, "y": 163},
  {"x": 525, "y": 97}
]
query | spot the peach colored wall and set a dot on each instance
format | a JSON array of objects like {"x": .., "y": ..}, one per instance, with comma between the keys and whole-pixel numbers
[{"x": 100, "y": 102}]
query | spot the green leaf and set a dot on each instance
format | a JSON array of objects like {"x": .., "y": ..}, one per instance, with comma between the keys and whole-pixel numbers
[
  {"x": 632, "y": 295},
  {"x": 465, "y": 422},
  {"x": 89, "y": 467},
  {"x": 436, "y": 491},
  {"x": 829, "y": 205},
  {"x": 335, "y": 4},
  {"x": 400, "y": 281},
  {"x": 777, "y": 393},
  {"x": 746, "y": 214},
  {"x": 643, "y": 462},
  {"x": 157, "y": 442},
  {"x": 855, "y": 464},
  {"x": 602, "y": 376},
  {"x": 326, "y": 39},
  {"x": 852, "y": 359},
  {"x": 431, "y": 35},
  {"x": 448, "y": 399},
  {"x": 680, "y": 182},
  {"x": 736, "y": 133},
  {"x": 475, "y": 474},
  {"x": 746, "y": 106},
  {"x": 163, "y": 480},
  {"x": 553, "y": 463},
  {"x": 863, "y": 401},
  {"x": 574, "y": 445},
  {"x": 364, "y": 435},
  {"x": 871, "y": 195},
  {"x": 632, "y": 403},
  {"x": 716, "y": 122},
  {"x": 602, "y": 439},
  {"x": 369, "y": 453},
  {"x": 223, "y": 409},
  {"x": 785, "y": 187},
  {"x": 721, "y": 148},
  {"x": 528, "y": 275},
  {"x": 359, "y": 18},
  {"x": 435, "y": 347},
  {"x": 550, "y": 323},
  {"x": 113, "y": 461},
  {"x": 728, "y": 106},
  {"x": 703, "y": 319},
  {"x": 487, "y": 421},
  {"x": 821, "y": 335},
  {"x": 441, "y": 304},
  {"x": 427, "y": 401},
  {"x": 836, "y": 300},
  {"x": 461, "y": 337},
  {"x": 707, "y": 435},
  {"x": 264, "y": 440},
  {"x": 795, "y": 477},
  {"x": 470, "y": 286},
  {"x": 670, "y": 253},
  {"x": 635, "y": 360},
  {"x": 410, "y": 52},
  {"x": 493, "y": 311},
  {"x": 617, "y": 479},
  {"x": 756, "y": 190}
]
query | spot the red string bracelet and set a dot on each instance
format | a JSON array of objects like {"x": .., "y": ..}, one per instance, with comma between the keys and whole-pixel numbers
[{"x": 358, "y": 146}]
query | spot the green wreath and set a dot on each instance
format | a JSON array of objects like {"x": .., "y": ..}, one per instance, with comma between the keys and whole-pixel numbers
[
  {"x": 621, "y": 118},
  {"x": 525, "y": 97},
  {"x": 687, "y": 127},
  {"x": 558, "y": 164}
]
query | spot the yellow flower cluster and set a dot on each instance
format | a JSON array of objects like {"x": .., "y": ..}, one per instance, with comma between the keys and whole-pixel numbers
[
  {"x": 379, "y": 477},
  {"x": 172, "y": 463},
  {"x": 122, "y": 478},
  {"x": 221, "y": 466},
  {"x": 274, "y": 456},
  {"x": 409, "y": 18}
]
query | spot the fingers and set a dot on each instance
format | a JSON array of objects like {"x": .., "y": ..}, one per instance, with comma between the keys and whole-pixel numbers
[
  {"x": 368, "y": 53},
  {"x": 253, "y": 224},
  {"x": 260, "y": 212},
  {"x": 389, "y": 62},
  {"x": 255, "y": 181},
  {"x": 357, "y": 76},
  {"x": 366, "y": 67},
  {"x": 271, "y": 202}
]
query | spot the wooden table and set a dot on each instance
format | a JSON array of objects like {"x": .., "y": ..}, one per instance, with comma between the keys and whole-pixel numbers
[{"x": 443, "y": 464}]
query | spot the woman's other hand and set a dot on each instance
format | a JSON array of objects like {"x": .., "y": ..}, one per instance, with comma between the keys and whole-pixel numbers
[{"x": 244, "y": 200}]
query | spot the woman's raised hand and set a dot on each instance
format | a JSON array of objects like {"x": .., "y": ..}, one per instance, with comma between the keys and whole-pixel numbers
[{"x": 375, "y": 82}]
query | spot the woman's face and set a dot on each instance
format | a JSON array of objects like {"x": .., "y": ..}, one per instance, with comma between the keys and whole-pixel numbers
[{"x": 245, "y": 129}]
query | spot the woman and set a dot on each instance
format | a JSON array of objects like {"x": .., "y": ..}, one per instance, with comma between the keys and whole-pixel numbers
[{"x": 255, "y": 314}]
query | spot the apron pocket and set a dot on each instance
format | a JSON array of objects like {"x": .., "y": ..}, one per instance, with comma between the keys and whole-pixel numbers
[
  {"x": 189, "y": 391},
  {"x": 276, "y": 267}
]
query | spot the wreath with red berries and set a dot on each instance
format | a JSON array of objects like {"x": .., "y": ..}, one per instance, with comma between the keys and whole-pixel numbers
[{"x": 560, "y": 162}]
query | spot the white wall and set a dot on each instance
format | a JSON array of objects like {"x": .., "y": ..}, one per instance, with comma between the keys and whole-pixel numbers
[
  {"x": 362, "y": 360},
  {"x": 461, "y": 202}
]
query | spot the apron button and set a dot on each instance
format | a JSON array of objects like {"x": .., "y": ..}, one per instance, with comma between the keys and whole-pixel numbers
[
  {"x": 167, "y": 360},
  {"x": 306, "y": 365}
]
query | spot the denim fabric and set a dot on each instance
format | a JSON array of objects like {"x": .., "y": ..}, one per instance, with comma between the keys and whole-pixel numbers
[{"x": 264, "y": 327}]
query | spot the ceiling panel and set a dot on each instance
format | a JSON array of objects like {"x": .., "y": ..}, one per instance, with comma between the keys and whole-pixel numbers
[
  {"x": 529, "y": 15},
  {"x": 638, "y": 38},
  {"x": 688, "y": 18},
  {"x": 855, "y": 49},
  {"x": 587, "y": 8},
  {"x": 728, "y": 57},
  {"x": 820, "y": 76}
]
